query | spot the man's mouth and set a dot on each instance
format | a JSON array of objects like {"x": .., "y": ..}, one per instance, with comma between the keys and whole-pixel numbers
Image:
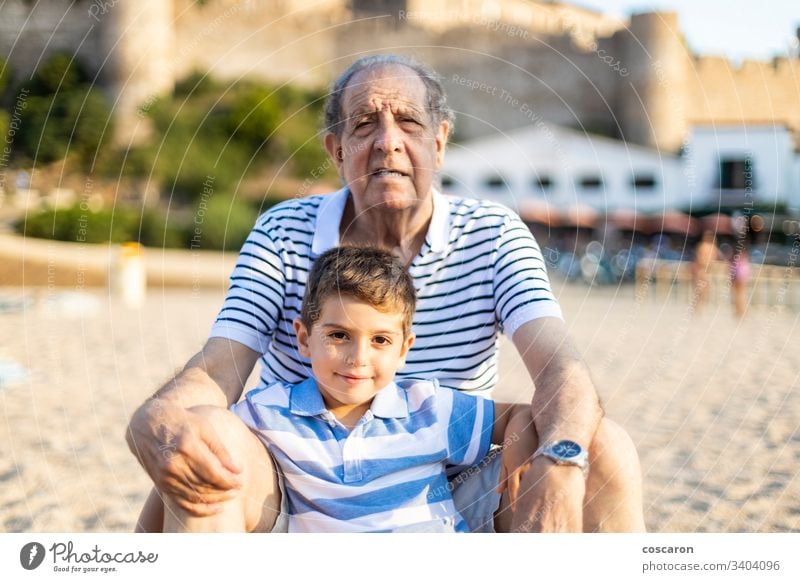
[{"x": 388, "y": 172}]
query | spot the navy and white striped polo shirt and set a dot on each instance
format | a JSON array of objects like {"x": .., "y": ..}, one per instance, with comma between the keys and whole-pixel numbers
[
  {"x": 386, "y": 473},
  {"x": 478, "y": 273}
]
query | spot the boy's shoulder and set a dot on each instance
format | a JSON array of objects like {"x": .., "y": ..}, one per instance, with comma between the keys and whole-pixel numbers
[
  {"x": 425, "y": 393},
  {"x": 275, "y": 395}
]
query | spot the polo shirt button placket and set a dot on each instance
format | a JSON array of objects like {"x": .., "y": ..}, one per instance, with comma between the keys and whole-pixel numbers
[{"x": 351, "y": 455}]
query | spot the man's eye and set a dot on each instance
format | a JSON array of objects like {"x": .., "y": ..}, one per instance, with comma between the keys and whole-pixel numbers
[
  {"x": 339, "y": 335},
  {"x": 364, "y": 123}
]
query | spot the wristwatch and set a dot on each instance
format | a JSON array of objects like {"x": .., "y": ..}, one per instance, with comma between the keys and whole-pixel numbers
[{"x": 565, "y": 453}]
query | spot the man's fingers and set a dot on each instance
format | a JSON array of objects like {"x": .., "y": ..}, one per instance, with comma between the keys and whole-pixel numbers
[
  {"x": 207, "y": 465},
  {"x": 198, "y": 509},
  {"x": 216, "y": 447},
  {"x": 501, "y": 485},
  {"x": 183, "y": 490},
  {"x": 513, "y": 489}
]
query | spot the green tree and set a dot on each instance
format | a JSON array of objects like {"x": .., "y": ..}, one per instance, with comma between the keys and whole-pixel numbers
[
  {"x": 255, "y": 112},
  {"x": 223, "y": 223},
  {"x": 63, "y": 114}
]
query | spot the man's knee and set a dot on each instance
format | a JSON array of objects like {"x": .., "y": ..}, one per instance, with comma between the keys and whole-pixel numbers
[
  {"x": 613, "y": 452},
  {"x": 614, "y": 489},
  {"x": 259, "y": 496}
]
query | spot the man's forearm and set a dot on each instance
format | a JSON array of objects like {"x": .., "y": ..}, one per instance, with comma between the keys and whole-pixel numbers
[
  {"x": 215, "y": 376},
  {"x": 192, "y": 387},
  {"x": 565, "y": 404}
]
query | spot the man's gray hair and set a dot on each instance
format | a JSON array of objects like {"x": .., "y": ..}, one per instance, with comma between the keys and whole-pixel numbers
[{"x": 437, "y": 105}]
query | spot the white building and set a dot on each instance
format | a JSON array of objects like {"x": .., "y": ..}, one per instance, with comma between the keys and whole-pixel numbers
[
  {"x": 734, "y": 165},
  {"x": 721, "y": 166},
  {"x": 564, "y": 167}
]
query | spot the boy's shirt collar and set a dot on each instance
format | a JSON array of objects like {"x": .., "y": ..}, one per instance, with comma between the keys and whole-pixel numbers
[
  {"x": 305, "y": 399},
  {"x": 331, "y": 209}
]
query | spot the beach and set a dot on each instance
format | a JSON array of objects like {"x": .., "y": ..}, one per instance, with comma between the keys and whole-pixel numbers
[{"x": 712, "y": 402}]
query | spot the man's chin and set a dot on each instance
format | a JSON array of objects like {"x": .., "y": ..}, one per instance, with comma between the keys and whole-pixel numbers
[{"x": 394, "y": 200}]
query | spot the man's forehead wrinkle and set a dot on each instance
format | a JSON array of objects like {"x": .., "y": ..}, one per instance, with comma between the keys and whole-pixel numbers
[
  {"x": 369, "y": 95},
  {"x": 377, "y": 104}
]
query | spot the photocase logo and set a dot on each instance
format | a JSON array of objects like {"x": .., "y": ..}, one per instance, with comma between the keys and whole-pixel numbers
[{"x": 31, "y": 555}]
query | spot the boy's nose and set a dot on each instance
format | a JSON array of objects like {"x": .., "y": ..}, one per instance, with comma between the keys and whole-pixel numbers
[{"x": 357, "y": 355}]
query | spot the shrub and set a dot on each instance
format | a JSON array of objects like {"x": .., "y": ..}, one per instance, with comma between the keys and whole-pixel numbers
[
  {"x": 222, "y": 223},
  {"x": 254, "y": 114},
  {"x": 122, "y": 224},
  {"x": 63, "y": 114}
]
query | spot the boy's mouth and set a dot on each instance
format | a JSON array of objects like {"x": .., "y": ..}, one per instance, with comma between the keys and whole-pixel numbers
[{"x": 353, "y": 379}]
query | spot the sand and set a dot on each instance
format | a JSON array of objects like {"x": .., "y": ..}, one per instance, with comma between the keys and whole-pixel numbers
[{"x": 712, "y": 403}]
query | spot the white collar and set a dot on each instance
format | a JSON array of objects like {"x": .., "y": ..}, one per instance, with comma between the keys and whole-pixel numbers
[{"x": 331, "y": 209}]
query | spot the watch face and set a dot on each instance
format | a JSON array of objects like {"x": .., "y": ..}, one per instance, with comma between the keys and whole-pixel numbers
[{"x": 567, "y": 449}]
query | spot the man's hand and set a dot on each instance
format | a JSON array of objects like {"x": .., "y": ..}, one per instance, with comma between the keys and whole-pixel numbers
[
  {"x": 550, "y": 498},
  {"x": 183, "y": 456}
]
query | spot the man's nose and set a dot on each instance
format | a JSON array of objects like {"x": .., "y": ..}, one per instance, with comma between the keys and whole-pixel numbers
[{"x": 389, "y": 138}]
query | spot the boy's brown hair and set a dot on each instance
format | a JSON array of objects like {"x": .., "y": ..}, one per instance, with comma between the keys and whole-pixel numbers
[{"x": 368, "y": 274}]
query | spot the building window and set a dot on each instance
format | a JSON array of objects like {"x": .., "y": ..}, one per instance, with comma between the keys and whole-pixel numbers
[
  {"x": 543, "y": 183},
  {"x": 495, "y": 182},
  {"x": 736, "y": 174},
  {"x": 645, "y": 183},
  {"x": 590, "y": 182}
]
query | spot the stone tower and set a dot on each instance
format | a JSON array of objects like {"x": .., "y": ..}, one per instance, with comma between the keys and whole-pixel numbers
[
  {"x": 652, "y": 99},
  {"x": 136, "y": 41}
]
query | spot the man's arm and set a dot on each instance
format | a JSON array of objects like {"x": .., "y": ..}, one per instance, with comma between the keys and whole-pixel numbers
[
  {"x": 177, "y": 448},
  {"x": 565, "y": 406}
]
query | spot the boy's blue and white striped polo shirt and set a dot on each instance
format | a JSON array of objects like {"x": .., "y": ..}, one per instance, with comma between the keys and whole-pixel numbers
[
  {"x": 388, "y": 472},
  {"x": 479, "y": 272}
]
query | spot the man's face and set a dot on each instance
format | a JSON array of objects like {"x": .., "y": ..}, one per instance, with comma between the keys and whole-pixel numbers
[
  {"x": 389, "y": 150},
  {"x": 355, "y": 350}
]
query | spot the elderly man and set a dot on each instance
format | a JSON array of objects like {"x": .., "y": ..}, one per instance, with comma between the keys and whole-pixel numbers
[{"x": 477, "y": 271}]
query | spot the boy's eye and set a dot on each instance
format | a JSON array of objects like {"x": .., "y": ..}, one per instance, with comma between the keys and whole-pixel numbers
[
  {"x": 339, "y": 335},
  {"x": 381, "y": 340}
]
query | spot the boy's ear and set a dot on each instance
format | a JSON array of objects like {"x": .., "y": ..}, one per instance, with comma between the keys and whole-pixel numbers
[
  {"x": 407, "y": 343},
  {"x": 301, "y": 332}
]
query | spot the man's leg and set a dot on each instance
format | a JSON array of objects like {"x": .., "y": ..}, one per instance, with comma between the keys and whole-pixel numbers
[
  {"x": 254, "y": 509},
  {"x": 613, "y": 501}
]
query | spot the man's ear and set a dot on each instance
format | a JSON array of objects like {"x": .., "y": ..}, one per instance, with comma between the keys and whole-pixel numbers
[
  {"x": 441, "y": 142},
  {"x": 301, "y": 332},
  {"x": 333, "y": 146}
]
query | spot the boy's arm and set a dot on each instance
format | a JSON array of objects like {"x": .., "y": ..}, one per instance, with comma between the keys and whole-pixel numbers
[
  {"x": 504, "y": 414},
  {"x": 514, "y": 430}
]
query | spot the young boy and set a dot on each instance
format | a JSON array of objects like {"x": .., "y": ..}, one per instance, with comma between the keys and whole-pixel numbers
[{"x": 359, "y": 452}]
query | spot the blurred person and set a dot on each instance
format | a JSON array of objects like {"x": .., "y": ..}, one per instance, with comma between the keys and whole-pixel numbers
[
  {"x": 704, "y": 256},
  {"x": 740, "y": 278}
]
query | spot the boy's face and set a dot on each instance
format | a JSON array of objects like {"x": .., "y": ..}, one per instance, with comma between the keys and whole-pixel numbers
[{"x": 355, "y": 350}]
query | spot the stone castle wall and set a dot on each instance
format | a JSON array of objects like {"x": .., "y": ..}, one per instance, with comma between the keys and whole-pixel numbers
[
  {"x": 507, "y": 65},
  {"x": 29, "y": 31},
  {"x": 756, "y": 92}
]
